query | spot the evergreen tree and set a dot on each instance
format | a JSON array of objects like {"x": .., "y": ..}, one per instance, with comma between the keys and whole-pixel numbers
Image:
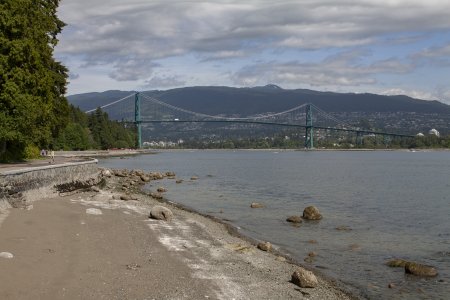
[{"x": 33, "y": 109}]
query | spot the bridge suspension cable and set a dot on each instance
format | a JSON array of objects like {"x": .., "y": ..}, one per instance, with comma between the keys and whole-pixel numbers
[
  {"x": 109, "y": 104},
  {"x": 221, "y": 117},
  {"x": 328, "y": 116}
]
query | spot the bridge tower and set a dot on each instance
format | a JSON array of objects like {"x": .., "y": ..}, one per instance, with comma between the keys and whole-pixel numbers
[
  {"x": 309, "y": 132},
  {"x": 137, "y": 119}
]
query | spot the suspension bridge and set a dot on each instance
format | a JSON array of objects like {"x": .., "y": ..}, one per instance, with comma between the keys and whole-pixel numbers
[{"x": 140, "y": 109}]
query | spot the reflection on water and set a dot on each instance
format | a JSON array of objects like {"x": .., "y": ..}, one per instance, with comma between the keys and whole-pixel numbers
[{"x": 393, "y": 204}]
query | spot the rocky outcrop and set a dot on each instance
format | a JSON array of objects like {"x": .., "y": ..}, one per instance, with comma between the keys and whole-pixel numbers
[
  {"x": 304, "y": 278},
  {"x": 159, "y": 212},
  {"x": 311, "y": 213}
]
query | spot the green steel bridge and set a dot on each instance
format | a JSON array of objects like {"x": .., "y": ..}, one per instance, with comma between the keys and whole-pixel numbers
[{"x": 301, "y": 116}]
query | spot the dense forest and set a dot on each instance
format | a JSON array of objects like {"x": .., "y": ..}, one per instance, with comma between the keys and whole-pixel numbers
[
  {"x": 34, "y": 112},
  {"x": 94, "y": 131}
]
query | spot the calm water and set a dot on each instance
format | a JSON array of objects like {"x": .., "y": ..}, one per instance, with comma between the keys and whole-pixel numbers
[{"x": 396, "y": 203}]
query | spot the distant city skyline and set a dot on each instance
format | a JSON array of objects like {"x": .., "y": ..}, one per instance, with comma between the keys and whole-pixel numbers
[{"x": 384, "y": 47}]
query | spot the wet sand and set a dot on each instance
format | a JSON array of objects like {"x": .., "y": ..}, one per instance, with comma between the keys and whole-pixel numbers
[{"x": 63, "y": 251}]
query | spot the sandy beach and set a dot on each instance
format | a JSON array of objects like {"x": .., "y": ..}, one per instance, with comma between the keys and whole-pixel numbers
[{"x": 91, "y": 245}]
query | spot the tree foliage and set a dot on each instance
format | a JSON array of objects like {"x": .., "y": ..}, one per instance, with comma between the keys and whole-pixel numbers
[{"x": 33, "y": 109}]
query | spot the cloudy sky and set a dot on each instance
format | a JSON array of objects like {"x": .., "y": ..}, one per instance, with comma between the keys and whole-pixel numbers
[{"x": 378, "y": 46}]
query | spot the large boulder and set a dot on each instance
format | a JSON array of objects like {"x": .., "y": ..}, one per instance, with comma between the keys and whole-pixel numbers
[
  {"x": 294, "y": 219},
  {"x": 311, "y": 213},
  {"x": 159, "y": 212},
  {"x": 420, "y": 270},
  {"x": 304, "y": 278}
]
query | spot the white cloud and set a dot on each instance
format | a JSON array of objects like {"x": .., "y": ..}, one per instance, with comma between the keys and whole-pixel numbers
[
  {"x": 164, "y": 82},
  {"x": 133, "y": 37},
  {"x": 342, "y": 69}
]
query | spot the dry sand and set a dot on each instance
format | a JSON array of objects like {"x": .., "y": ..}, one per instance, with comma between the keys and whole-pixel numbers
[{"x": 90, "y": 246}]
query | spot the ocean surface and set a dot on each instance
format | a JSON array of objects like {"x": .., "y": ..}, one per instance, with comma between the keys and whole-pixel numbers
[{"x": 394, "y": 204}]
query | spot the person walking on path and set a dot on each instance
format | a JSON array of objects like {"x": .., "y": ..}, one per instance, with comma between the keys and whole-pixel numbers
[{"x": 52, "y": 156}]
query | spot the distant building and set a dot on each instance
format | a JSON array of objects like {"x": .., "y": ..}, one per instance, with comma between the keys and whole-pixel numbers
[{"x": 433, "y": 132}]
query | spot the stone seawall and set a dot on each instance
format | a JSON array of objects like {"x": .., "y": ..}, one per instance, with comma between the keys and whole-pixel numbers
[{"x": 18, "y": 188}]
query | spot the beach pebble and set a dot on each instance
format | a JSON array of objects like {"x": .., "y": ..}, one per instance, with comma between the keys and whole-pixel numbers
[
  {"x": 125, "y": 197},
  {"x": 145, "y": 178},
  {"x": 304, "y": 278},
  {"x": 420, "y": 270},
  {"x": 311, "y": 213},
  {"x": 161, "y": 190},
  {"x": 280, "y": 258},
  {"x": 159, "y": 212},
  {"x": 343, "y": 228},
  {"x": 194, "y": 178},
  {"x": 294, "y": 219},
  {"x": 265, "y": 246},
  {"x": 156, "y": 195},
  {"x": 6, "y": 255},
  {"x": 179, "y": 181},
  {"x": 94, "y": 211},
  {"x": 95, "y": 189},
  {"x": 106, "y": 173},
  {"x": 256, "y": 205}
]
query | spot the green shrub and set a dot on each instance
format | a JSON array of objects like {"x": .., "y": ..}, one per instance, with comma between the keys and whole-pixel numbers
[{"x": 31, "y": 151}]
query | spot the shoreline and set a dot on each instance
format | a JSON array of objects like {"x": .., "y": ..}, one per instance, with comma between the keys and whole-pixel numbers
[
  {"x": 352, "y": 292},
  {"x": 196, "y": 240}
]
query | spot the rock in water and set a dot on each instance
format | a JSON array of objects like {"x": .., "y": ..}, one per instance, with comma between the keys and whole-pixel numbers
[
  {"x": 420, "y": 270},
  {"x": 265, "y": 246},
  {"x": 161, "y": 190},
  {"x": 256, "y": 205},
  {"x": 311, "y": 213},
  {"x": 159, "y": 212},
  {"x": 396, "y": 263},
  {"x": 294, "y": 219},
  {"x": 304, "y": 278}
]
